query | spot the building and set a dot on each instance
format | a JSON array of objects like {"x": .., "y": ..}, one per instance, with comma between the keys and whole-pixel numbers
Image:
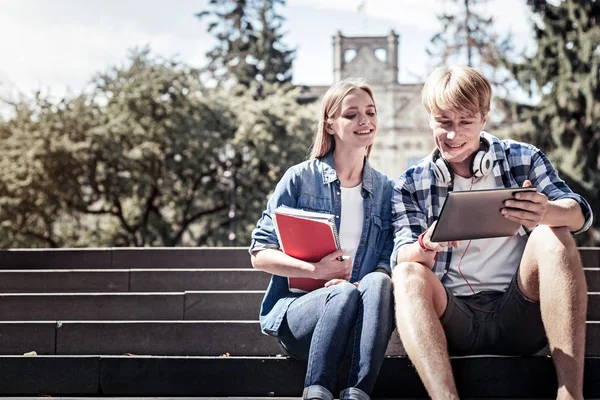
[{"x": 404, "y": 135}]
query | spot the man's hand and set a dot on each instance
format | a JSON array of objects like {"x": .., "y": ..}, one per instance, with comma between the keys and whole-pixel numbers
[
  {"x": 437, "y": 246},
  {"x": 528, "y": 208}
]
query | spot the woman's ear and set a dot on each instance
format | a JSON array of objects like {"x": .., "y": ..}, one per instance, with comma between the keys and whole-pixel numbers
[{"x": 329, "y": 128}]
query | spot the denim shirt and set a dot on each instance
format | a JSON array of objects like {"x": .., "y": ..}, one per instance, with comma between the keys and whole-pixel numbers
[{"x": 314, "y": 186}]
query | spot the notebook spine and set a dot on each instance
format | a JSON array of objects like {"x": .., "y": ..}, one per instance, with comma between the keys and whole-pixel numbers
[{"x": 336, "y": 235}]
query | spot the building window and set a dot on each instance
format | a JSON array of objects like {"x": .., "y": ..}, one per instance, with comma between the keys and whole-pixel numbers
[
  {"x": 349, "y": 55},
  {"x": 381, "y": 54}
]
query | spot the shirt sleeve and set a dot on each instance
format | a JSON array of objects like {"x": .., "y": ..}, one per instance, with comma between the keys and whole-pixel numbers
[
  {"x": 408, "y": 220},
  {"x": 544, "y": 177},
  {"x": 264, "y": 235},
  {"x": 384, "y": 259}
]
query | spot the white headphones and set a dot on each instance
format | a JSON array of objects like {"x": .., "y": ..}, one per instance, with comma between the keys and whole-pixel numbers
[{"x": 481, "y": 164}]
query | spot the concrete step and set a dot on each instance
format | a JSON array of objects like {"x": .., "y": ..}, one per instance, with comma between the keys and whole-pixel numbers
[
  {"x": 125, "y": 258},
  {"x": 165, "y": 338},
  {"x": 191, "y": 305},
  {"x": 179, "y": 257},
  {"x": 91, "y": 306},
  {"x": 131, "y": 280},
  {"x": 477, "y": 377},
  {"x": 153, "y": 280}
]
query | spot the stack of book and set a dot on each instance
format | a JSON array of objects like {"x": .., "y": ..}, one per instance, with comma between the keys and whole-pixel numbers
[{"x": 308, "y": 236}]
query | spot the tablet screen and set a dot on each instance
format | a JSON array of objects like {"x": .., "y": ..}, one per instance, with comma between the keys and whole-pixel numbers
[{"x": 476, "y": 215}]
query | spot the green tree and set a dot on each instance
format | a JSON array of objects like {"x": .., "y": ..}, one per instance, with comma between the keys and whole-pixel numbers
[
  {"x": 468, "y": 37},
  {"x": 149, "y": 158},
  {"x": 250, "y": 49},
  {"x": 564, "y": 74}
]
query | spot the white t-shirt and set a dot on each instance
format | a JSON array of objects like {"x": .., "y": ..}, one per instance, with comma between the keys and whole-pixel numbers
[
  {"x": 488, "y": 264},
  {"x": 351, "y": 223}
]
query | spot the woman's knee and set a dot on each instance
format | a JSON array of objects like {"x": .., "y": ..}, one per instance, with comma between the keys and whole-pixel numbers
[
  {"x": 345, "y": 291},
  {"x": 377, "y": 280}
]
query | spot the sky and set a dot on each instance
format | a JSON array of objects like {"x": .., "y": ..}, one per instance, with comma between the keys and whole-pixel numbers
[{"x": 59, "y": 46}]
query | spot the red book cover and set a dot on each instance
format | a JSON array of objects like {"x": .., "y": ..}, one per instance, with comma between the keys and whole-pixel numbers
[{"x": 307, "y": 239}]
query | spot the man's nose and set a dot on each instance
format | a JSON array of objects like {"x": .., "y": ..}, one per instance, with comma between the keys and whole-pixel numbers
[{"x": 450, "y": 135}]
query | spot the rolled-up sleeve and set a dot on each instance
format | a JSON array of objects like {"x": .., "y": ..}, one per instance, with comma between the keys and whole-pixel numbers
[
  {"x": 543, "y": 176},
  {"x": 264, "y": 236}
]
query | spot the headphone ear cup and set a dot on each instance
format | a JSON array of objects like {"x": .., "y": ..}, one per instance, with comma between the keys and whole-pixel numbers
[
  {"x": 441, "y": 170},
  {"x": 482, "y": 164}
]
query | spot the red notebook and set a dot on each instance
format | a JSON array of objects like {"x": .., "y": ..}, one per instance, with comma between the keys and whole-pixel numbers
[{"x": 307, "y": 236}]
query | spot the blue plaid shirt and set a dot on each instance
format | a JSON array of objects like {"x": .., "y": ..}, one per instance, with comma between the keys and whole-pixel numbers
[{"x": 418, "y": 197}]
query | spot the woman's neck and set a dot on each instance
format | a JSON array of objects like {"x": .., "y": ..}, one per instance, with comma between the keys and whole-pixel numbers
[{"x": 349, "y": 166}]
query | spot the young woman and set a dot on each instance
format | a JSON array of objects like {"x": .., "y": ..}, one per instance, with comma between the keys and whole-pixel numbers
[{"x": 353, "y": 313}]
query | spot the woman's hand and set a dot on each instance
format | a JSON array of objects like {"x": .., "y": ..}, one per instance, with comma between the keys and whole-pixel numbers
[
  {"x": 331, "y": 268},
  {"x": 338, "y": 281}
]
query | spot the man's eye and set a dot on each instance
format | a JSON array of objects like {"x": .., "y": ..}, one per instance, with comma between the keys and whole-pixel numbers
[
  {"x": 466, "y": 122},
  {"x": 444, "y": 122}
]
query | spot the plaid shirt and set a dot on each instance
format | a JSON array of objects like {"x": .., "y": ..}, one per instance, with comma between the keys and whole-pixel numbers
[{"x": 418, "y": 197}]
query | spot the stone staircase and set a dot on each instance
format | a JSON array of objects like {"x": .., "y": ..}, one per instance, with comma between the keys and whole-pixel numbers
[{"x": 184, "y": 322}]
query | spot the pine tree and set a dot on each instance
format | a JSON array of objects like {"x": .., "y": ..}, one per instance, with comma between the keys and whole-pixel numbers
[
  {"x": 564, "y": 74},
  {"x": 468, "y": 37},
  {"x": 250, "y": 51}
]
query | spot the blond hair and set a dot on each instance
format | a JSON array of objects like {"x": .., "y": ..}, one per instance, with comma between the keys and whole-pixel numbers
[
  {"x": 323, "y": 142},
  {"x": 457, "y": 88}
]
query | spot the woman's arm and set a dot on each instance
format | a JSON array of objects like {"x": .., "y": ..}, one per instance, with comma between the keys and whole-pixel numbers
[{"x": 278, "y": 263}]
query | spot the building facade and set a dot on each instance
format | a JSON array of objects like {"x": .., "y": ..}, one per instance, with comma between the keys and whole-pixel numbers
[{"x": 404, "y": 135}]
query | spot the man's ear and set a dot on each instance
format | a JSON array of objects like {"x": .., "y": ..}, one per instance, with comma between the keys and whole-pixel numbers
[{"x": 484, "y": 120}]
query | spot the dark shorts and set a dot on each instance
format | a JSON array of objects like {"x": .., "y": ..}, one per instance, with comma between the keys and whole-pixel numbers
[{"x": 505, "y": 323}]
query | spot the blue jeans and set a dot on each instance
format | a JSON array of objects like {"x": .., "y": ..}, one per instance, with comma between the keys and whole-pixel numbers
[{"x": 318, "y": 326}]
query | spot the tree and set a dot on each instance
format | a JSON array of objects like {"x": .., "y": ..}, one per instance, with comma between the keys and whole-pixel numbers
[
  {"x": 250, "y": 49},
  {"x": 468, "y": 37},
  {"x": 564, "y": 73},
  {"x": 149, "y": 158}
]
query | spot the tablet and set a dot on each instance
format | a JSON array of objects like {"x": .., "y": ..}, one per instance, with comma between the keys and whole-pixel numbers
[{"x": 476, "y": 214}]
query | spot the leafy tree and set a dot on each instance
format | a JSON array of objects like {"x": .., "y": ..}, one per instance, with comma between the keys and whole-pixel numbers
[
  {"x": 150, "y": 158},
  {"x": 250, "y": 49},
  {"x": 43, "y": 149},
  {"x": 564, "y": 74}
]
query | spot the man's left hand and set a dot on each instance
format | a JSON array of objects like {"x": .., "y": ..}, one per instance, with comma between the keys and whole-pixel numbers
[{"x": 528, "y": 208}]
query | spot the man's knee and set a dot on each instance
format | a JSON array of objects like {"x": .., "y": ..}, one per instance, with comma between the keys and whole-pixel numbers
[
  {"x": 551, "y": 238},
  {"x": 411, "y": 278}
]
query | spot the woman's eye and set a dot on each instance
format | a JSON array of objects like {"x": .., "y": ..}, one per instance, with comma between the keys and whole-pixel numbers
[
  {"x": 372, "y": 114},
  {"x": 350, "y": 116}
]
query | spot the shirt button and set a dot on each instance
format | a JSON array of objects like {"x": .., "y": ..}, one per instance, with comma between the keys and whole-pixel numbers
[
  {"x": 337, "y": 216},
  {"x": 338, "y": 192}
]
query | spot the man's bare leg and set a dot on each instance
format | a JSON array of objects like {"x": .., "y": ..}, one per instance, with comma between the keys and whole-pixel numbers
[
  {"x": 551, "y": 272},
  {"x": 420, "y": 302}
]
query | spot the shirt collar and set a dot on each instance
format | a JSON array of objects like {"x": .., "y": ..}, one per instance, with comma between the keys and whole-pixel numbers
[{"x": 330, "y": 175}]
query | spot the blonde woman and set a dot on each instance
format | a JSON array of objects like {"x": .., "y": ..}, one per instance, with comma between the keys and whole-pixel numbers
[{"x": 353, "y": 313}]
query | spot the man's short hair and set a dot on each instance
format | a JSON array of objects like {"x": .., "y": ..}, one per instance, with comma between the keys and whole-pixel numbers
[{"x": 457, "y": 88}]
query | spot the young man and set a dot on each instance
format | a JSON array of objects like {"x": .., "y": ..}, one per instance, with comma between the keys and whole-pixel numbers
[{"x": 507, "y": 295}]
